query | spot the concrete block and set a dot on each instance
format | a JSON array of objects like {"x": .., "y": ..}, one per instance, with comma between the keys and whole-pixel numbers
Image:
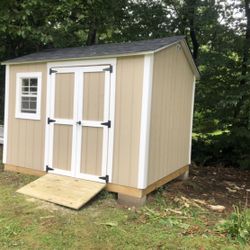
[
  {"x": 131, "y": 201},
  {"x": 184, "y": 176}
]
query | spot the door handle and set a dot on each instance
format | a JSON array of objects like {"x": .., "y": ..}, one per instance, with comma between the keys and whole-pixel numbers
[{"x": 79, "y": 123}]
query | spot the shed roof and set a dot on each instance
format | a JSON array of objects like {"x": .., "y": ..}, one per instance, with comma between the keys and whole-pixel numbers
[
  {"x": 98, "y": 50},
  {"x": 101, "y": 50}
]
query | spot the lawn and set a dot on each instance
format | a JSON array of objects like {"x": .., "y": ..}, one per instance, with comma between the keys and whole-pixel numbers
[{"x": 174, "y": 218}]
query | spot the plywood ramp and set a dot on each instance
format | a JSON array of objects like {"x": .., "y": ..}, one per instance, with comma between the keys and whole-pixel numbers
[{"x": 66, "y": 191}]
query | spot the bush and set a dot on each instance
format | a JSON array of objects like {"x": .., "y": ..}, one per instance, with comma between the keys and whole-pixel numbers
[
  {"x": 228, "y": 148},
  {"x": 237, "y": 226}
]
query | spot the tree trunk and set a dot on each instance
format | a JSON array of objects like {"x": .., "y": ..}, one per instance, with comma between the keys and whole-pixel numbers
[
  {"x": 191, "y": 5},
  {"x": 92, "y": 35},
  {"x": 245, "y": 63}
]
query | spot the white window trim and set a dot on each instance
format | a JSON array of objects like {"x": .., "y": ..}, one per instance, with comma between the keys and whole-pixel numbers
[{"x": 30, "y": 116}]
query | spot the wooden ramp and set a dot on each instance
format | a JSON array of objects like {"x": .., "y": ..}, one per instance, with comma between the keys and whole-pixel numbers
[{"x": 62, "y": 190}]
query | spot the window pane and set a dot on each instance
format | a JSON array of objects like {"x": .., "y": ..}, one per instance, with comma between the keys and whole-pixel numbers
[
  {"x": 25, "y": 105},
  {"x": 33, "y": 106},
  {"x": 28, "y": 104},
  {"x": 29, "y": 95},
  {"x": 33, "y": 82},
  {"x": 33, "y": 90},
  {"x": 25, "y": 82}
]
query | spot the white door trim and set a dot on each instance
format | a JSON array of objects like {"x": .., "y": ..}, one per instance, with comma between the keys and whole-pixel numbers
[{"x": 111, "y": 115}]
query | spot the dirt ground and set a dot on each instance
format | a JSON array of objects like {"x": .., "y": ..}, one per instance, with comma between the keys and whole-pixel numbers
[{"x": 212, "y": 186}]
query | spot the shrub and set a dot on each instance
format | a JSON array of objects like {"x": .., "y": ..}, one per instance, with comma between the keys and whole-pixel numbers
[{"x": 237, "y": 226}]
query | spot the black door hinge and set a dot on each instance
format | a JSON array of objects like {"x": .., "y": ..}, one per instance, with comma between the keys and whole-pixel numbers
[
  {"x": 110, "y": 69},
  {"x": 51, "y": 71},
  {"x": 108, "y": 124},
  {"x": 105, "y": 178},
  {"x": 48, "y": 168},
  {"x": 50, "y": 120}
]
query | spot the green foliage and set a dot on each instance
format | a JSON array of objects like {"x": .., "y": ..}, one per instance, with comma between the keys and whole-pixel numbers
[
  {"x": 216, "y": 32},
  {"x": 227, "y": 148},
  {"x": 237, "y": 226}
]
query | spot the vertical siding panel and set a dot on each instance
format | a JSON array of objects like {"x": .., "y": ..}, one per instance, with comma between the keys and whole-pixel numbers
[
  {"x": 170, "y": 113},
  {"x": 129, "y": 80},
  {"x": 26, "y": 138}
]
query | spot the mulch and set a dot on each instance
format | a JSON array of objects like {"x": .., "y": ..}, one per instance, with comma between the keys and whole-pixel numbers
[{"x": 214, "y": 185}]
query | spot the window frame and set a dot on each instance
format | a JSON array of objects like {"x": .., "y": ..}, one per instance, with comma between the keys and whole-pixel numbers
[{"x": 19, "y": 113}]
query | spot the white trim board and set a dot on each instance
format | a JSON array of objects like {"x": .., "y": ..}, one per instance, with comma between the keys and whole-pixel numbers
[
  {"x": 191, "y": 122},
  {"x": 145, "y": 121},
  {"x": 6, "y": 112}
]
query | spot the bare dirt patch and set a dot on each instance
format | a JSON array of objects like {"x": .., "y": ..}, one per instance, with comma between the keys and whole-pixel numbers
[{"x": 211, "y": 186}]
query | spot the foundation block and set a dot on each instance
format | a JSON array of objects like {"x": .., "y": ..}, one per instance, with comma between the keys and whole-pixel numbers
[
  {"x": 131, "y": 201},
  {"x": 184, "y": 176}
]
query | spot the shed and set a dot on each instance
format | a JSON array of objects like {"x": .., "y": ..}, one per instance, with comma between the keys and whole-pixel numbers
[{"x": 119, "y": 114}]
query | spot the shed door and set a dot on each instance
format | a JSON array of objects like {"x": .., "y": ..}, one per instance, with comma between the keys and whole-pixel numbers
[
  {"x": 79, "y": 122},
  {"x": 93, "y": 123}
]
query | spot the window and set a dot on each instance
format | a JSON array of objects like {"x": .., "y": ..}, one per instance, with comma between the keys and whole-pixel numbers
[{"x": 28, "y": 95}]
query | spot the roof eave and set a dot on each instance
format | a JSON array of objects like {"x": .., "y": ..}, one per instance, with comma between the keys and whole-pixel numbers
[{"x": 79, "y": 58}]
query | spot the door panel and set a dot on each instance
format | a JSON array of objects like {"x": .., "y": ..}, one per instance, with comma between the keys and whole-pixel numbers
[
  {"x": 93, "y": 96},
  {"x": 62, "y": 147},
  {"x": 79, "y": 122},
  {"x": 91, "y": 151},
  {"x": 64, "y": 95}
]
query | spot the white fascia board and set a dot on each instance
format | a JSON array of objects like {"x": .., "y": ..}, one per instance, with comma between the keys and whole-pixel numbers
[
  {"x": 6, "y": 113},
  {"x": 145, "y": 121}
]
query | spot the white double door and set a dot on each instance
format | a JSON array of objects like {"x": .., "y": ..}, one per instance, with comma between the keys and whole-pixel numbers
[{"x": 79, "y": 122}]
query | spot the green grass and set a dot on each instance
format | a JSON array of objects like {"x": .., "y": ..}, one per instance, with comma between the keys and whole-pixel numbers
[{"x": 31, "y": 224}]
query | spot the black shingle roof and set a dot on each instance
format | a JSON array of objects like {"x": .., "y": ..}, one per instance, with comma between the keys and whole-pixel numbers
[{"x": 97, "y": 50}]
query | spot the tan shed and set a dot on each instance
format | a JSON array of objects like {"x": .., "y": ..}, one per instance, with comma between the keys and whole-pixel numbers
[{"x": 115, "y": 113}]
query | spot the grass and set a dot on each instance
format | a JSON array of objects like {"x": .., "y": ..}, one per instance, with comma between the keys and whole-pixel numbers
[
  {"x": 27, "y": 223},
  {"x": 165, "y": 223}
]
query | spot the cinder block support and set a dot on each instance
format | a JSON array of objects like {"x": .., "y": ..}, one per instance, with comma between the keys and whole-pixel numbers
[
  {"x": 184, "y": 176},
  {"x": 131, "y": 201}
]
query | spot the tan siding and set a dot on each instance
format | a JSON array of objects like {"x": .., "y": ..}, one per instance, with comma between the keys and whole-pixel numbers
[
  {"x": 26, "y": 138},
  {"x": 64, "y": 95},
  {"x": 170, "y": 113},
  {"x": 93, "y": 96},
  {"x": 62, "y": 147},
  {"x": 91, "y": 152},
  {"x": 129, "y": 80}
]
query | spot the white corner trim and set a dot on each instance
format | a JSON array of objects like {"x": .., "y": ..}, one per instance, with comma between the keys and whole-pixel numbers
[
  {"x": 191, "y": 122},
  {"x": 18, "y": 113},
  {"x": 145, "y": 121},
  {"x": 6, "y": 112}
]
